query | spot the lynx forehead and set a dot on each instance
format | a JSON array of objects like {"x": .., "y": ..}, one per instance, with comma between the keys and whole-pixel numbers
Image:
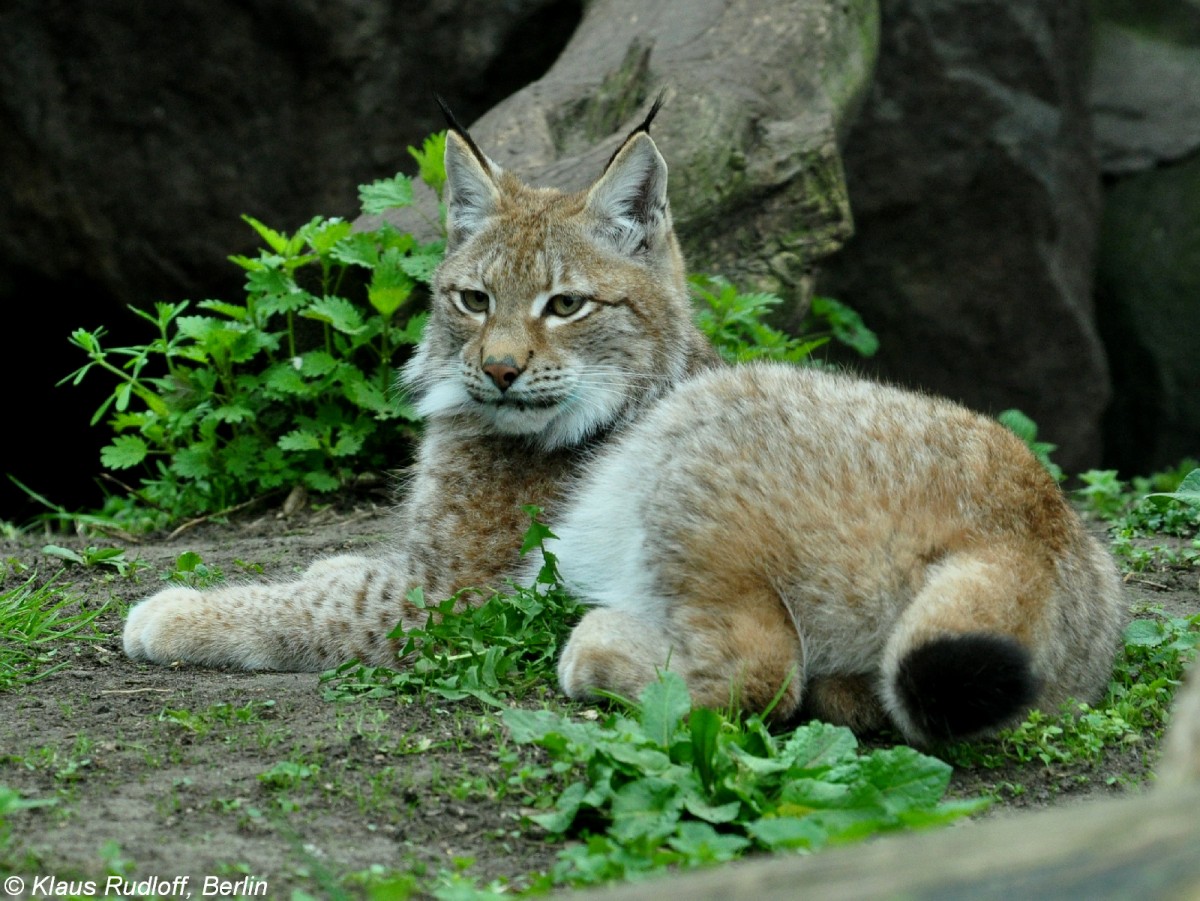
[{"x": 854, "y": 552}]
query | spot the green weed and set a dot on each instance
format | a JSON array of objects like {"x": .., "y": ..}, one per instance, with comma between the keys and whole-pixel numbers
[
  {"x": 497, "y": 649},
  {"x": 11, "y": 802},
  {"x": 1143, "y": 511},
  {"x": 673, "y": 785},
  {"x": 35, "y": 621},
  {"x": 93, "y": 556},
  {"x": 735, "y": 323},
  {"x": 288, "y": 774},
  {"x": 191, "y": 570},
  {"x": 291, "y": 385}
]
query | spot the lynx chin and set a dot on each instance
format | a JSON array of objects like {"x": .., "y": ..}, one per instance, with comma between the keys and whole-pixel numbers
[{"x": 874, "y": 556}]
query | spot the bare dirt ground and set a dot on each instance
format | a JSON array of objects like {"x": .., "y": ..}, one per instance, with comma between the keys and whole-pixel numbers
[{"x": 258, "y": 784}]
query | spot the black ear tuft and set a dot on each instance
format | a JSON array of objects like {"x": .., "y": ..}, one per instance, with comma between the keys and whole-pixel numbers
[
  {"x": 645, "y": 126},
  {"x": 655, "y": 107},
  {"x": 456, "y": 127}
]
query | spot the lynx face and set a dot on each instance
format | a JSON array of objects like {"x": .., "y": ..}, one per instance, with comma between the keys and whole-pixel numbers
[{"x": 554, "y": 315}]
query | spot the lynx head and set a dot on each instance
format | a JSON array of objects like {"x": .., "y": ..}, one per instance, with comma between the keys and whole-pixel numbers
[{"x": 555, "y": 315}]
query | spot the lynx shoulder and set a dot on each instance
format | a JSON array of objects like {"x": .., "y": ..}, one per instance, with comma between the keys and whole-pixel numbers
[{"x": 850, "y": 551}]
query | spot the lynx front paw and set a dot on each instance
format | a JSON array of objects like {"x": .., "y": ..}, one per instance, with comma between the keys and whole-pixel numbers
[{"x": 161, "y": 628}]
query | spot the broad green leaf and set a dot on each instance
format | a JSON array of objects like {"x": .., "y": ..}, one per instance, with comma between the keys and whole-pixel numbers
[
  {"x": 390, "y": 284},
  {"x": 193, "y": 462},
  {"x": 664, "y": 703},
  {"x": 369, "y": 397},
  {"x": 234, "y": 311},
  {"x": 286, "y": 379},
  {"x": 386, "y": 193},
  {"x": 269, "y": 280},
  {"x": 124, "y": 452},
  {"x": 317, "y": 363},
  {"x": 233, "y": 413},
  {"x": 705, "y": 725},
  {"x": 324, "y": 238},
  {"x": 711, "y": 813},
  {"x": 298, "y": 440},
  {"x": 906, "y": 778},
  {"x": 1188, "y": 491},
  {"x": 338, "y": 312},
  {"x": 277, "y": 241},
  {"x": 818, "y": 745},
  {"x": 348, "y": 443},
  {"x": 701, "y": 843},
  {"x": 431, "y": 158},
  {"x": 358, "y": 249},
  {"x": 788, "y": 832},
  {"x": 320, "y": 481},
  {"x": 422, "y": 264},
  {"x": 566, "y": 806},
  {"x": 646, "y": 808}
]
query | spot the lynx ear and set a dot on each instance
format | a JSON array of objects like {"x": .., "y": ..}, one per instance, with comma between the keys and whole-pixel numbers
[
  {"x": 471, "y": 193},
  {"x": 630, "y": 198}
]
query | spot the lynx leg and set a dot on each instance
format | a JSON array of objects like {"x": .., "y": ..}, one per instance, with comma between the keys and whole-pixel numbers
[
  {"x": 341, "y": 609},
  {"x": 960, "y": 662}
]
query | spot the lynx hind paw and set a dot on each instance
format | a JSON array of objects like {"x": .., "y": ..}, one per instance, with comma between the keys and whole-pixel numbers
[{"x": 611, "y": 651}]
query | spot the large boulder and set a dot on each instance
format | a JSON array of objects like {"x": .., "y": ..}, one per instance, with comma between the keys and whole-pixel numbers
[
  {"x": 759, "y": 95},
  {"x": 1145, "y": 98},
  {"x": 976, "y": 200},
  {"x": 1145, "y": 84},
  {"x": 1148, "y": 293}
]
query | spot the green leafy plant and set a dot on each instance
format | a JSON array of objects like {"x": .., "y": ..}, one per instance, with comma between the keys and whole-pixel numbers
[
  {"x": 673, "y": 785},
  {"x": 1145, "y": 511},
  {"x": 96, "y": 556},
  {"x": 291, "y": 385},
  {"x": 191, "y": 570},
  {"x": 736, "y": 324},
  {"x": 491, "y": 650},
  {"x": 1187, "y": 493}
]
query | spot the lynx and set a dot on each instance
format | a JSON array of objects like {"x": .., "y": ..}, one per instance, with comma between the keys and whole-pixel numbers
[{"x": 787, "y": 539}]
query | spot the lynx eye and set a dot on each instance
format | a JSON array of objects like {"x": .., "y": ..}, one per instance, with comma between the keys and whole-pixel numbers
[
  {"x": 474, "y": 301},
  {"x": 566, "y": 304}
]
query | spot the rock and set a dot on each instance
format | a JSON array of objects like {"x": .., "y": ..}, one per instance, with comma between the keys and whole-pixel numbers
[
  {"x": 1145, "y": 85},
  {"x": 976, "y": 201},
  {"x": 758, "y": 95},
  {"x": 1147, "y": 289}
]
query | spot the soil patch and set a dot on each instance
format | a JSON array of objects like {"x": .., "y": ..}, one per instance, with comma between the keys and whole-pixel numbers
[{"x": 257, "y": 779}]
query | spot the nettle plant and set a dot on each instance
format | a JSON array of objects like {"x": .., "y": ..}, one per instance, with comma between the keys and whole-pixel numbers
[{"x": 293, "y": 385}]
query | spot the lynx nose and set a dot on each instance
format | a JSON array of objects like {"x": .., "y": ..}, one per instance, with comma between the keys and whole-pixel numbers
[{"x": 502, "y": 372}]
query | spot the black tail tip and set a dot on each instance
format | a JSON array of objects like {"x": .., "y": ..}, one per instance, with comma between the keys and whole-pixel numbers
[{"x": 960, "y": 686}]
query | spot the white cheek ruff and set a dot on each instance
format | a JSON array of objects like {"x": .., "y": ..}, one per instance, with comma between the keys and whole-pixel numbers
[{"x": 448, "y": 397}]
